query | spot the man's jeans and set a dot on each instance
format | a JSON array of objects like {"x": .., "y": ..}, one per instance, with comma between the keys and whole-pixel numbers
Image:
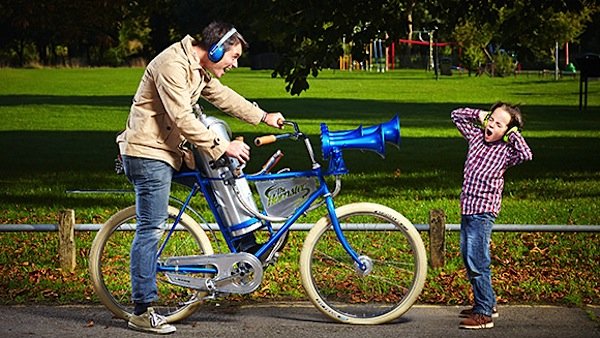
[
  {"x": 475, "y": 236},
  {"x": 152, "y": 182}
]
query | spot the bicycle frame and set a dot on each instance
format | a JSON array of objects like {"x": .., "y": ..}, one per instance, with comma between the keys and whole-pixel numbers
[
  {"x": 378, "y": 285},
  {"x": 202, "y": 184}
]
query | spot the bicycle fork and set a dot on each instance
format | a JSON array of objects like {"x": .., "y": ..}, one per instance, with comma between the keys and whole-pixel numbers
[{"x": 363, "y": 264}]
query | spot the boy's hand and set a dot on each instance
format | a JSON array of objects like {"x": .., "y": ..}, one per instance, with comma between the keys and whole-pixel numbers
[
  {"x": 508, "y": 132},
  {"x": 484, "y": 117}
]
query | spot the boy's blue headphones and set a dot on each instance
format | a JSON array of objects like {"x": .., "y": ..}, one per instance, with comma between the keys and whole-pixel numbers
[{"x": 216, "y": 51}]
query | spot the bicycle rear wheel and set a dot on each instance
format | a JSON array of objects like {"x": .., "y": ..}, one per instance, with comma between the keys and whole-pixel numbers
[
  {"x": 393, "y": 252},
  {"x": 109, "y": 265}
]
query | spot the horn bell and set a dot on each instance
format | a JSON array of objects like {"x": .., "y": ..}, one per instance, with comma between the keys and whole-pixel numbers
[
  {"x": 371, "y": 138},
  {"x": 391, "y": 130}
]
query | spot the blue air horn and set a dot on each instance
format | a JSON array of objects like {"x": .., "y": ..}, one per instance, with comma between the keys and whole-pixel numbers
[{"x": 370, "y": 138}]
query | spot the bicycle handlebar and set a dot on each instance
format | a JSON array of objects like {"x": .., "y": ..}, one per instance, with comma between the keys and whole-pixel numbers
[
  {"x": 296, "y": 135},
  {"x": 268, "y": 139},
  {"x": 262, "y": 140}
]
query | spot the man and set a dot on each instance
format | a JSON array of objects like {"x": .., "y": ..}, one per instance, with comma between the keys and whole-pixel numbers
[{"x": 160, "y": 119}]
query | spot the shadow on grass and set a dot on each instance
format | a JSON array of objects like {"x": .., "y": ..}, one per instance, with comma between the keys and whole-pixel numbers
[
  {"x": 65, "y": 160},
  {"x": 333, "y": 110},
  {"x": 24, "y": 99},
  {"x": 85, "y": 160}
]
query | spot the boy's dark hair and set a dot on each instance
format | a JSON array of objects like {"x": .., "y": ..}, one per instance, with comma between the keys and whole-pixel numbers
[
  {"x": 212, "y": 33},
  {"x": 516, "y": 118}
]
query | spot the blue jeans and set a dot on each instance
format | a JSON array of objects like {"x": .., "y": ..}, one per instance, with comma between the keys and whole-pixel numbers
[
  {"x": 152, "y": 182},
  {"x": 475, "y": 236}
]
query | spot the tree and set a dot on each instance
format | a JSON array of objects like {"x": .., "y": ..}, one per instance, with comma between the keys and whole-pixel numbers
[
  {"x": 528, "y": 28},
  {"x": 306, "y": 34},
  {"x": 14, "y": 23},
  {"x": 556, "y": 27},
  {"x": 83, "y": 27},
  {"x": 473, "y": 41}
]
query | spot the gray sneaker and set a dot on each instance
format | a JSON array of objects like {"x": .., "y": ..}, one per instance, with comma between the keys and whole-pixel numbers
[{"x": 150, "y": 321}]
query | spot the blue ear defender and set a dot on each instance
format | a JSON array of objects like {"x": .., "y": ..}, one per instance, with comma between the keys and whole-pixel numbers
[{"x": 216, "y": 51}]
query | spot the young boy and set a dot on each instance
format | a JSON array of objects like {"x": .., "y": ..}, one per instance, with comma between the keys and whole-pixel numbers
[{"x": 492, "y": 149}]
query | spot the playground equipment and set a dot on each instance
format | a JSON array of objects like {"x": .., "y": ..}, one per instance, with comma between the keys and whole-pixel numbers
[
  {"x": 381, "y": 57},
  {"x": 376, "y": 60}
]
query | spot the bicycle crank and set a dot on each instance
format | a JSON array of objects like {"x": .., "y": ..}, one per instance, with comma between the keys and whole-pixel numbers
[{"x": 237, "y": 273}]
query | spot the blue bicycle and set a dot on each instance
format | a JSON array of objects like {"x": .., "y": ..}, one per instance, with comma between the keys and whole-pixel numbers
[{"x": 361, "y": 263}]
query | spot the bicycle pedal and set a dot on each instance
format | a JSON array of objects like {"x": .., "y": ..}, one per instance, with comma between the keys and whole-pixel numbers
[
  {"x": 271, "y": 259},
  {"x": 214, "y": 296}
]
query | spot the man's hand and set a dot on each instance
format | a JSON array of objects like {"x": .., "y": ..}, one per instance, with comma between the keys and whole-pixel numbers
[
  {"x": 239, "y": 150},
  {"x": 274, "y": 120}
]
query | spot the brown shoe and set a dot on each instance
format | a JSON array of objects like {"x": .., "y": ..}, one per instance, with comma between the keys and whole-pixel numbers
[
  {"x": 477, "y": 321},
  {"x": 467, "y": 312}
]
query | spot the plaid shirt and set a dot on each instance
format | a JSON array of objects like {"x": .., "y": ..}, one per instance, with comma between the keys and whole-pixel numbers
[{"x": 483, "y": 177}]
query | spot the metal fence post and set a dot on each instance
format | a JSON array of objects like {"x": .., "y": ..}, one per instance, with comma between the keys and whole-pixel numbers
[
  {"x": 437, "y": 237},
  {"x": 66, "y": 243}
]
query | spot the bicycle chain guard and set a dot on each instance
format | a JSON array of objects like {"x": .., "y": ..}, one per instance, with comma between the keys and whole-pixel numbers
[{"x": 237, "y": 273}]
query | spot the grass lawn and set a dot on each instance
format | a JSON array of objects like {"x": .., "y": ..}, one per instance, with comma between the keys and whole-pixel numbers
[{"x": 58, "y": 128}]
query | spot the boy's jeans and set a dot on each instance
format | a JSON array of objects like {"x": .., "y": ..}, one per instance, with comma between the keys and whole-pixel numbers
[
  {"x": 152, "y": 182},
  {"x": 475, "y": 236}
]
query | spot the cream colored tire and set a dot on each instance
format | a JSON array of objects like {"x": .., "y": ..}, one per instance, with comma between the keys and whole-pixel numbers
[
  {"x": 394, "y": 253},
  {"x": 109, "y": 265}
]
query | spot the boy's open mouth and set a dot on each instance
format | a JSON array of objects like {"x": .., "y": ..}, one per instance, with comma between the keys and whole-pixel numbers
[{"x": 488, "y": 132}]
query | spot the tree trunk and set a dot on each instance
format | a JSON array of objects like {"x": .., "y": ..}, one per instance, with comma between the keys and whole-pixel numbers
[{"x": 409, "y": 20}]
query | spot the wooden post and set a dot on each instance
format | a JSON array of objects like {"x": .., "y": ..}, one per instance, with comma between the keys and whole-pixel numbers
[
  {"x": 437, "y": 237},
  {"x": 66, "y": 243}
]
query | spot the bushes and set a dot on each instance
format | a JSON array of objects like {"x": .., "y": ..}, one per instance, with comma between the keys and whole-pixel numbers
[{"x": 505, "y": 64}]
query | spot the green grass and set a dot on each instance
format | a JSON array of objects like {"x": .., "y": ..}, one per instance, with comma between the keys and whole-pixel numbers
[{"x": 58, "y": 128}]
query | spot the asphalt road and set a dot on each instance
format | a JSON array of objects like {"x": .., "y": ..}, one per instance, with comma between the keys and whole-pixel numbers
[{"x": 291, "y": 320}]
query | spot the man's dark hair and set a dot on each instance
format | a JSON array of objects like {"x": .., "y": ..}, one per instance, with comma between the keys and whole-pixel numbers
[{"x": 215, "y": 31}]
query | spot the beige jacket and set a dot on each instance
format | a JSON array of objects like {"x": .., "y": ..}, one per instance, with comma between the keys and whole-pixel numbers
[{"x": 161, "y": 115}]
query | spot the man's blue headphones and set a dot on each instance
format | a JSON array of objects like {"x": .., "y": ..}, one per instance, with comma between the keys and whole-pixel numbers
[{"x": 216, "y": 51}]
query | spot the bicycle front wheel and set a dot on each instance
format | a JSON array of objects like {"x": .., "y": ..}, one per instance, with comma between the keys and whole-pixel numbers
[
  {"x": 109, "y": 264},
  {"x": 387, "y": 243}
]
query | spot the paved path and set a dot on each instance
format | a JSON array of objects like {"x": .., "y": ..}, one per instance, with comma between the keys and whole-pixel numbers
[{"x": 291, "y": 320}]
